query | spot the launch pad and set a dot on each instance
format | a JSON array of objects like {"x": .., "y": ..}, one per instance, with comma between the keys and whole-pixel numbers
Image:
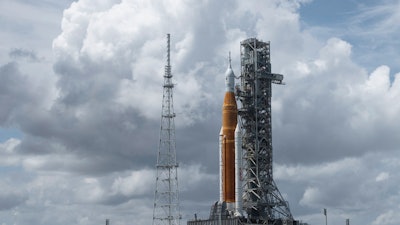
[{"x": 248, "y": 193}]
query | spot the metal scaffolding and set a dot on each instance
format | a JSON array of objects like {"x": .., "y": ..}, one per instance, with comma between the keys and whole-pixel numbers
[
  {"x": 166, "y": 198},
  {"x": 262, "y": 200}
]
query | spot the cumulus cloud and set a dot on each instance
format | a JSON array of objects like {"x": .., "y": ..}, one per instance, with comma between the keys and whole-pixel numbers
[
  {"x": 346, "y": 110},
  {"x": 123, "y": 59},
  {"x": 109, "y": 88}
]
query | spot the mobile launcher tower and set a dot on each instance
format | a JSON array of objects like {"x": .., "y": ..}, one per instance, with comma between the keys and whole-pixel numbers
[{"x": 248, "y": 193}]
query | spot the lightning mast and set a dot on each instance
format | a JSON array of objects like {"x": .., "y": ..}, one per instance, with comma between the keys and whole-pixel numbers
[
  {"x": 166, "y": 199},
  {"x": 262, "y": 200}
]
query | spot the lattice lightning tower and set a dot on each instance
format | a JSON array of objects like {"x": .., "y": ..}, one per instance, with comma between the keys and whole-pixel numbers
[
  {"x": 166, "y": 198},
  {"x": 262, "y": 200}
]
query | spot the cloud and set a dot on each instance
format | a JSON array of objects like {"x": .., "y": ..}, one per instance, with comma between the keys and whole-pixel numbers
[
  {"x": 333, "y": 100},
  {"x": 109, "y": 87},
  {"x": 382, "y": 177},
  {"x": 15, "y": 92},
  {"x": 11, "y": 200},
  {"x": 30, "y": 55},
  {"x": 350, "y": 186},
  {"x": 379, "y": 19},
  {"x": 101, "y": 45},
  {"x": 387, "y": 218},
  {"x": 136, "y": 184},
  {"x": 7, "y": 152},
  {"x": 374, "y": 29}
]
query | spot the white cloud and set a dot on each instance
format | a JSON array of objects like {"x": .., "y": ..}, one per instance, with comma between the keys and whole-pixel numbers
[
  {"x": 379, "y": 19},
  {"x": 101, "y": 43},
  {"x": 391, "y": 217},
  {"x": 90, "y": 191},
  {"x": 316, "y": 172},
  {"x": 194, "y": 176},
  {"x": 352, "y": 187},
  {"x": 345, "y": 110},
  {"x": 8, "y": 156},
  {"x": 382, "y": 177},
  {"x": 136, "y": 184},
  {"x": 311, "y": 195}
]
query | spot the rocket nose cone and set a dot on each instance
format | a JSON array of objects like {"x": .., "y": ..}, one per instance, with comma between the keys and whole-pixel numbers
[
  {"x": 229, "y": 79},
  {"x": 229, "y": 72},
  {"x": 237, "y": 129}
]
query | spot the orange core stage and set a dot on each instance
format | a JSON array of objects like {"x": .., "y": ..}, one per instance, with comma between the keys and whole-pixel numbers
[{"x": 229, "y": 121}]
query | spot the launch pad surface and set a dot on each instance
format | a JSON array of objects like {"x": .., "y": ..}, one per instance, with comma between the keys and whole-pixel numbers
[{"x": 239, "y": 221}]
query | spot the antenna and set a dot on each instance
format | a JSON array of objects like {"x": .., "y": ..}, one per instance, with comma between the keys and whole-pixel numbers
[
  {"x": 166, "y": 198},
  {"x": 229, "y": 58}
]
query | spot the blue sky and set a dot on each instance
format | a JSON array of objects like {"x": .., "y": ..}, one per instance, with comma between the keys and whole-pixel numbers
[
  {"x": 362, "y": 23},
  {"x": 9, "y": 133},
  {"x": 80, "y": 105},
  {"x": 329, "y": 13}
]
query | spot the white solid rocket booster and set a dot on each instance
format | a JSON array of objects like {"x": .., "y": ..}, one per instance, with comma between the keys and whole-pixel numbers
[
  {"x": 238, "y": 171},
  {"x": 221, "y": 166}
]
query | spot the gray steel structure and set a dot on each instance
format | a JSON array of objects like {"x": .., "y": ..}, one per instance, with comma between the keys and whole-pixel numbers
[
  {"x": 166, "y": 199},
  {"x": 262, "y": 201}
]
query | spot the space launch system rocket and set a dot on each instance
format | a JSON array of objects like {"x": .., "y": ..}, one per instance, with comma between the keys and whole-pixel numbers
[
  {"x": 248, "y": 194},
  {"x": 230, "y": 148}
]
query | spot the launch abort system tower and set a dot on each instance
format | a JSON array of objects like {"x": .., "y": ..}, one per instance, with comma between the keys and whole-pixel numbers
[{"x": 262, "y": 200}]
